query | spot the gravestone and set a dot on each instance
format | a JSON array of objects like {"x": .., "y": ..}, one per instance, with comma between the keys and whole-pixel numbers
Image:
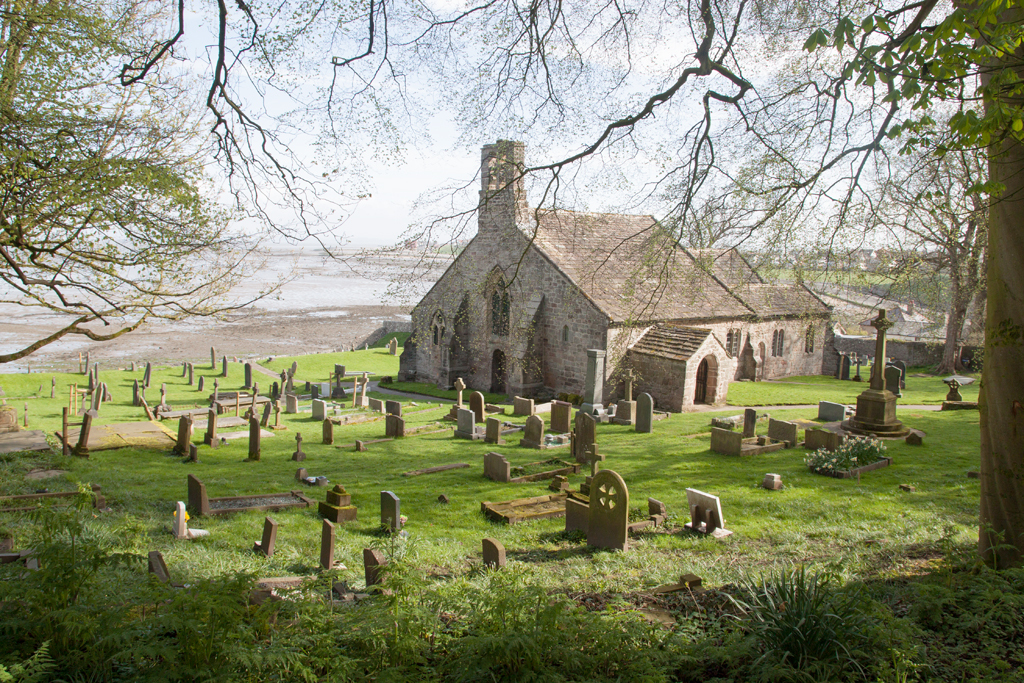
[
  {"x": 953, "y": 395},
  {"x": 298, "y": 455},
  {"x": 593, "y": 385},
  {"x": 394, "y": 426},
  {"x": 893, "y": 377},
  {"x": 376, "y": 405},
  {"x": 493, "y": 434},
  {"x": 914, "y": 439},
  {"x": 184, "y": 368},
  {"x": 831, "y": 412},
  {"x": 815, "y": 439},
  {"x": 749, "y": 423},
  {"x": 265, "y": 546},
  {"x": 726, "y": 441},
  {"x": 301, "y": 474},
  {"x": 338, "y": 507},
  {"x": 390, "y": 511},
  {"x": 460, "y": 386},
  {"x": 179, "y": 528},
  {"x": 254, "y": 438},
  {"x": 210, "y": 438},
  {"x": 191, "y": 375},
  {"x": 158, "y": 567},
  {"x": 393, "y": 408},
  {"x": 224, "y": 366},
  {"x": 781, "y": 430},
  {"x": 248, "y": 376},
  {"x": 82, "y": 447},
  {"x": 608, "y": 521},
  {"x": 496, "y": 467},
  {"x": 772, "y": 482},
  {"x": 327, "y": 545},
  {"x": 476, "y": 404},
  {"x": 705, "y": 514},
  {"x": 466, "y": 424},
  {"x": 561, "y": 413},
  {"x": 193, "y": 453},
  {"x": 844, "y": 367},
  {"x": 319, "y": 409},
  {"x": 265, "y": 420},
  {"x": 213, "y": 358},
  {"x": 522, "y": 406},
  {"x": 533, "y": 434},
  {"x": 135, "y": 393},
  {"x": 584, "y": 437},
  {"x": 291, "y": 404},
  {"x": 202, "y": 383},
  {"x": 644, "y": 414},
  {"x": 184, "y": 435},
  {"x": 577, "y": 515},
  {"x": 393, "y": 347},
  {"x": 198, "y": 501},
  {"x": 903, "y": 372},
  {"x": 373, "y": 562},
  {"x": 625, "y": 410},
  {"x": 147, "y": 375},
  {"x": 328, "y": 432},
  {"x": 494, "y": 553}
]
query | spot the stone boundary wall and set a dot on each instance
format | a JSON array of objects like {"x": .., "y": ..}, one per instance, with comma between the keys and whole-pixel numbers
[
  {"x": 913, "y": 353},
  {"x": 389, "y": 327}
]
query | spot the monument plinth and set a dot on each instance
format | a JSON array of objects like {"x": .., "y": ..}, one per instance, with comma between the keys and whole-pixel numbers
[{"x": 876, "y": 406}]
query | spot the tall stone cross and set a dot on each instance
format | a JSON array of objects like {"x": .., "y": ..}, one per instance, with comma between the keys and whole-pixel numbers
[
  {"x": 594, "y": 459},
  {"x": 460, "y": 386},
  {"x": 880, "y": 323},
  {"x": 629, "y": 384}
]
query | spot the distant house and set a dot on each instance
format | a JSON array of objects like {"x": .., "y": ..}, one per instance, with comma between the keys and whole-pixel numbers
[
  {"x": 909, "y": 323},
  {"x": 520, "y": 306}
]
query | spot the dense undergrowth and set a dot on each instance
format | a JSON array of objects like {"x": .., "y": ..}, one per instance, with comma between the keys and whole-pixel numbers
[{"x": 90, "y": 613}]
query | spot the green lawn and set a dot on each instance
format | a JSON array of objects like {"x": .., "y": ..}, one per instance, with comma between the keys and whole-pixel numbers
[
  {"x": 863, "y": 528},
  {"x": 318, "y": 367},
  {"x": 432, "y": 390},
  {"x": 809, "y": 389}
]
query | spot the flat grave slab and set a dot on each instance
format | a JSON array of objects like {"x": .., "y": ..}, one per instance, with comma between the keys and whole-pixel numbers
[
  {"x": 123, "y": 435},
  {"x": 31, "y": 440},
  {"x": 439, "y": 468},
  {"x": 244, "y": 434},
  {"x": 222, "y": 422},
  {"x": 525, "y": 509},
  {"x": 266, "y": 502}
]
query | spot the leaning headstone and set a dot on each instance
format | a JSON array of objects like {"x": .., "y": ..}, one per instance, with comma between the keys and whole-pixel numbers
[
  {"x": 82, "y": 447},
  {"x": 533, "y": 434},
  {"x": 772, "y": 482},
  {"x": 893, "y": 377},
  {"x": 210, "y": 439},
  {"x": 184, "y": 435},
  {"x": 726, "y": 441},
  {"x": 393, "y": 408},
  {"x": 202, "y": 383},
  {"x": 494, "y": 553},
  {"x": 158, "y": 567},
  {"x": 265, "y": 420},
  {"x": 390, "y": 511},
  {"x": 496, "y": 467},
  {"x": 644, "y": 414},
  {"x": 561, "y": 417},
  {"x": 319, "y": 409},
  {"x": 705, "y": 513},
  {"x": 608, "y": 522},
  {"x": 831, "y": 412},
  {"x": 749, "y": 423},
  {"x": 265, "y": 546},
  {"x": 476, "y": 404},
  {"x": 254, "y": 438},
  {"x": 184, "y": 368},
  {"x": 522, "y": 406},
  {"x": 328, "y": 431},
  {"x": 781, "y": 430},
  {"x": 394, "y": 426},
  {"x": 373, "y": 562},
  {"x": 147, "y": 375},
  {"x": 327, "y": 545},
  {"x": 493, "y": 434},
  {"x": 298, "y": 455}
]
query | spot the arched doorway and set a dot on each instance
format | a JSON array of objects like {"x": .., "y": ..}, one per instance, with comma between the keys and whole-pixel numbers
[
  {"x": 700, "y": 394},
  {"x": 498, "y": 372}
]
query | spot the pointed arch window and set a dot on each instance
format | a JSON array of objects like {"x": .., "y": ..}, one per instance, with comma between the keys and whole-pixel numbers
[
  {"x": 809, "y": 339},
  {"x": 501, "y": 307}
]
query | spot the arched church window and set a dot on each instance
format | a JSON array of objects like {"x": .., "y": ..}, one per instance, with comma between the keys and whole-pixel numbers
[
  {"x": 809, "y": 340},
  {"x": 495, "y": 313},
  {"x": 435, "y": 335},
  {"x": 506, "y": 308},
  {"x": 565, "y": 333}
]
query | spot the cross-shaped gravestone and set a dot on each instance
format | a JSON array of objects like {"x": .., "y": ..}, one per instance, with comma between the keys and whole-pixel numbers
[
  {"x": 211, "y": 428},
  {"x": 594, "y": 459},
  {"x": 460, "y": 386},
  {"x": 298, "y": 455},
  {"x": 629, "y": 384},
  {"x": 277, "y": 413}
]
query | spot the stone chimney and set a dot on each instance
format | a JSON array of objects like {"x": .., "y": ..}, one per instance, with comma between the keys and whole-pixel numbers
[{"x": 502, "y": 193}]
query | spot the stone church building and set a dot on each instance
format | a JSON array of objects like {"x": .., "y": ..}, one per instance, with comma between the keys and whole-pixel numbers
[{"x": 518, "y": 309}]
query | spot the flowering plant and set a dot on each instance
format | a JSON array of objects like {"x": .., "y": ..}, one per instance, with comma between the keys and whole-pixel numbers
[{"x": 856, "y": 451}]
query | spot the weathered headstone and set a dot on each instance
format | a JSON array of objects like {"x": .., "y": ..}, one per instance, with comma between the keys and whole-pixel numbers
[
  {"x": 903, "y": 372},
  {"x": 593, "y": 385},
  {"x": 466, "y": 424},
  {"x": 494, "y": 553},
  {"x": 496, "y": 467},
  {"x": 390, "y": 511},
  {"x": 584, "y": 437},
  {"x": 608, "y": 522},
  {"x": 493, "y": 434},
  {"x": 772, "y": 482},
  {"x": 914, "y": 439},
  {"x": 326, "y": 545},
  {"x": 393, "y": 347},
  {"x": 533, "y": 434},
  {"x": 781, "y": 430},
  {"x": 65, "y": 447},
  {"x": 476, "y": 404},
  {"x": 148, "y": 375},
  {"x": 726, "y": 441},
  {"x": 224, "y": 366},
  {"x": 460, "y": 386},
  {"x": 53, "y": 387},
  {"x": 158, "y": 567},
  {"x": 815, "y": 439},
  {"x": 191, "y": 374},
  {"x": 265, "y": 546},
  {"x": 328, "y": 431},
  {"x": 184, "y": 435},
  {"x": 893, "y": 377},
  {"x": 198, "y": 501},
  {"x": 291, "y": 404},
  {"x": 202, "y": 383},
  {"x": 577, "y": 515},
  {"x": 319, "y": 409},
  {"x": 179, "y": 527},
  {"x": 210, "y": 438},
  {"x": 82, "y": 447},
  {"x": 338, "y": 507},
  {"x": 705, "y": 513},
  {"x": 644, "y": 414},
  {"x": 844, "y": 367},
  {"x": 247, "y": 368},
  {"x": 522, "y": 406},
  {"x": 373, "y": 562},
  {"x": 135, "y": 393},
  {"x": 301, "y": 474},
  {"x": 254, "y": 438},
  {"x": 265, "y": 420},
  {"x": 393, "y": 408},
  {"x": 298, "y": 455},
  {"x": 831, "y": 412},
  {"x": 953, "y": 394},
  {"x": 376, "y": 405},
  {"x": 561, "y": 414},
  {"x": 749, "y": 423},
  {"x": 213, "y": 358},
  {"x": 394, "y": 426}
]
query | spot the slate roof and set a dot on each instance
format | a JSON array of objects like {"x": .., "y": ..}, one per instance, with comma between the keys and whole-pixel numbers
[
  {"x": 668, "y": 340},
  {"x": 634, "y": 271}
]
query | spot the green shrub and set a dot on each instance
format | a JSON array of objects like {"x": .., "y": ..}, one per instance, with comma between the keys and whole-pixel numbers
[{"x": 856, "y": 451}]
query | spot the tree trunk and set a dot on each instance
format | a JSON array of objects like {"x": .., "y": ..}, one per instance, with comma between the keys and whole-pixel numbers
[
  {"x": 1001, "y": 536},
  {"x": 954, "y": 328}
]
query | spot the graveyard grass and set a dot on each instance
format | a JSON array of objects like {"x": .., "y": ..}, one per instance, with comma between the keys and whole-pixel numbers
[
  {"x": 809, "y": 389},
  {"x": 853, "y": 530}
]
